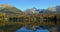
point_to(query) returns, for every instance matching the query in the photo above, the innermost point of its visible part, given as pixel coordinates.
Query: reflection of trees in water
(50, 19)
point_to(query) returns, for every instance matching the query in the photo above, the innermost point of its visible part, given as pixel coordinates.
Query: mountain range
(11, 10)
(49, 10)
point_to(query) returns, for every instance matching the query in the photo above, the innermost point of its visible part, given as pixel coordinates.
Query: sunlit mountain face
(55, 9)
(9, 9)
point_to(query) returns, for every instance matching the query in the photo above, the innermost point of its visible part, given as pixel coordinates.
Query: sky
(27, 4)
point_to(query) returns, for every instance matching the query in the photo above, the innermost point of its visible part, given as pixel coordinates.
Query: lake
(23, 29)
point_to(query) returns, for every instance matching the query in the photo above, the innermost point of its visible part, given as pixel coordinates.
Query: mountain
(55, 9)
(32, 10)
(11, 10)
(49, 10)
(8, 9)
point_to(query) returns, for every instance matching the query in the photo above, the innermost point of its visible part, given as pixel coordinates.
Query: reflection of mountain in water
(23, 29)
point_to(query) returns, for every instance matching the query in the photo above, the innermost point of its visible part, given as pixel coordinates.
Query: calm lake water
(43, 28)
(23, 29)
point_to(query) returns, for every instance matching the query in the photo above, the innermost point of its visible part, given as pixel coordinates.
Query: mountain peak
(32, 10)
(5, 5)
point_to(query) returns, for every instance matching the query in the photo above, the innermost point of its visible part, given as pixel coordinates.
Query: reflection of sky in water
(23, 29)
(41, 31)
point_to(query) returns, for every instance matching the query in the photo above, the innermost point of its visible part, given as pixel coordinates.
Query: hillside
(8, 9)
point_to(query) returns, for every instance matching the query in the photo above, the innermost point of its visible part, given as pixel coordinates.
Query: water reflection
(48, 26)
(24, 29)
(42, 30)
